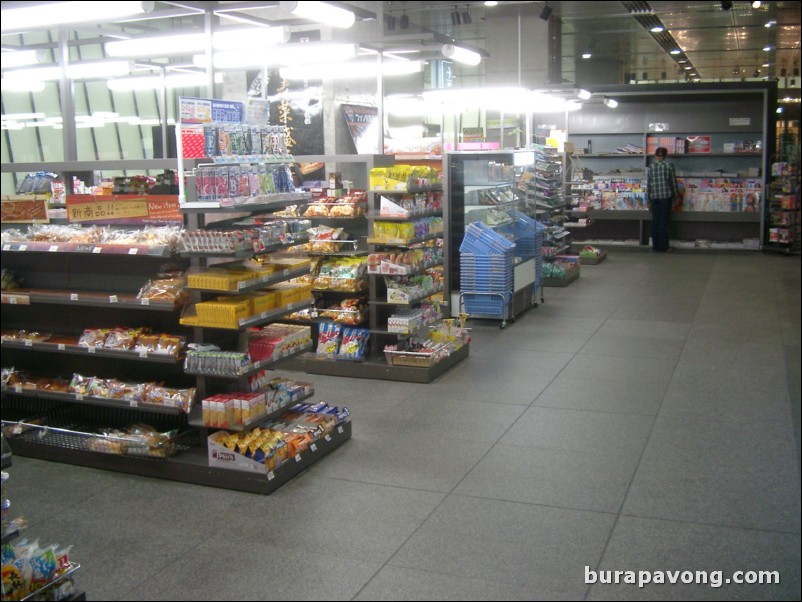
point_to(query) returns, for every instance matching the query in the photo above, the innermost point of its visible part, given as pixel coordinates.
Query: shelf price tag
(53, 249)
(340, 430)
(145, 301)
(6, 247)
(28, 343)
(112, 298)
(297, 457)
(134, 403)
(143, 353)
(133, 251)
(271, 475)
(327, 438)
(23, 247)
(313, 447)
(12, 300)
(91, 349)
(79, 397)
(17, 388)
(97, 250)
(74, 297)
(62, 347)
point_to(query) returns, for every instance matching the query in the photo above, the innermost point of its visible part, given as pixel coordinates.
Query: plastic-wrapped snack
(318, 209)
(354, 343)
(328, 341)
(168, 287)
(80, 384)
(121, 338)
(9, 375)
(116, 388)
(121, 237)
(169, 344)
(98, 387)
(147, 343)
(93, 337)
(44, 567)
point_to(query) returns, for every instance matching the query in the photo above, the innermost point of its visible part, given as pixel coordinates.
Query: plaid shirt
(662, 181)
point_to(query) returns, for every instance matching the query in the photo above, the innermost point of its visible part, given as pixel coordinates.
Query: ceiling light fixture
(322, 12)
(64, 13)
(287, 54)
(22, 86)
(757, 4)
(350, 70)
(466, 16)
(23, 58)
(583, 94)
(676, 51)
(610, 103)
(461, 55)
(154, 82)
(255, 38)
(657, 29)
(546, 12)
(780, 110)
(767, 49)
(491, 3)
(586, 55)
(85, 70)
(770, 24)
(403, 22)
(456, 18)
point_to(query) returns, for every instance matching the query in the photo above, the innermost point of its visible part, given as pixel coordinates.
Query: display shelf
(406, 335)
(276, 201)
(404, 218)
(415, 272)
(42, 592)
(85, 299)
(406, 243)
(189, 466)
(257, 320)
(255, 421)
(68, 346)
(91, 249)
(378, 369)
(593, 260)
(558, 252)
(249, 286)
(342, 293)
(91, 400)
(251, 369)
(410, 302)
(433, 188)
(560, 282)
(247, 253)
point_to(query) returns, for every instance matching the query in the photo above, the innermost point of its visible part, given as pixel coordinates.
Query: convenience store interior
(645, 418)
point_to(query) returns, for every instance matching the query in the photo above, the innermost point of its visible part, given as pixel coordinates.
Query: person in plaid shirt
(661, 188)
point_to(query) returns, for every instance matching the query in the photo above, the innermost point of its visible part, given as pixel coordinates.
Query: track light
(461, 55)
(586, 55)
(767, 48)
(756, 73)
(610, 103)
(780, 110)
(675, 51)
(583, 94)
(403, 22)
(757, 4)
(390, 22)
(657, 29)
(456, 19)
(546, 12)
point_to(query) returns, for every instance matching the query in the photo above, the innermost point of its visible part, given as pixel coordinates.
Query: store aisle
(645, 418)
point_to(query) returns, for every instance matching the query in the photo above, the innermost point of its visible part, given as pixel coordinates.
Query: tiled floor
(646, 418)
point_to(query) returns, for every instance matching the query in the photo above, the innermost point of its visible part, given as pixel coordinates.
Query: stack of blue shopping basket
(486, 272)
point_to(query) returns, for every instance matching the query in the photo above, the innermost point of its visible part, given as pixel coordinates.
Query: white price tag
(62, 347)
(12, 300)
(53, 248)
(112, 298)
(97, 250)
(134, 403)
(28, 343)
(18, 430)
(74, 297)
(6, 247)
(79, 397)
(340, 430)
(327, 438)
(23, 247)
(145, 301)
(133, 251)
(17, 388)
(270, 476)
(297, 457)
(91, 349)
(143, 353)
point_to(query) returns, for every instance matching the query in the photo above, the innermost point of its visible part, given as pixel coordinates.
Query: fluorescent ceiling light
(610, 103)
(770, 24)
(22, 85)
(230, 39)
(284, 55)
(658, 29)
(20, 116)
(353, 70)
(586, 55)
(322, 12)
(767, 49)
(86, 70)
(676, 51)
(491, 3)
(583, 94)
(461, 55)
(154, 82)
(22, 58)
(757, 4)
(63, 13)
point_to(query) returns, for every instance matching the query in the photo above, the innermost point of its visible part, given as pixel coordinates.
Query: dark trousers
(661, 213)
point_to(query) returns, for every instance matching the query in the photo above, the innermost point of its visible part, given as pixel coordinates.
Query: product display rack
(783, 207)
(719, 131)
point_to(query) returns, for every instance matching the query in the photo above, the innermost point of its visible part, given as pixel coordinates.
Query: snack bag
(328, 341)
(354, 343)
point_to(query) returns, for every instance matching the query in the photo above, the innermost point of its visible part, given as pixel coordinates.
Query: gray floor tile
(571, 430)
(582, 480)
(255, 570)
(629, 346)
(511, 543)
(721, 473)
(728, 378)
(602, 395)
(694, 403)
(650, 545)
(391, 581)
(638, 308)
(677, 331)
(628, 369)
(742, 333)
(413, 460)
(739, 354)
